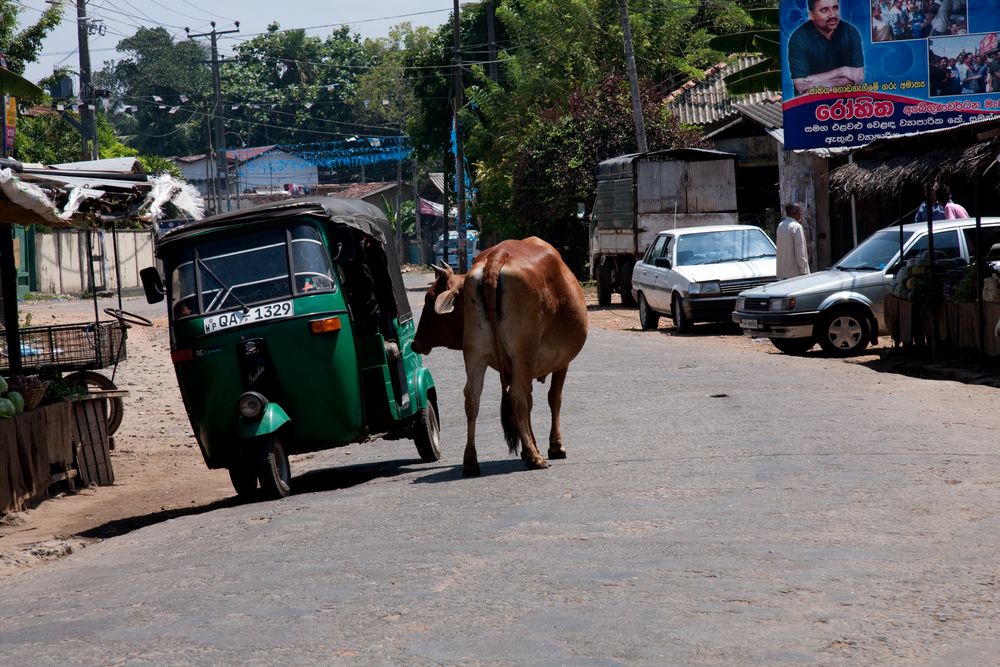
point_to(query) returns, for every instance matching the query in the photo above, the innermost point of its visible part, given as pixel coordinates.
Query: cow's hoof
(537, 464)
(471, 470)
(556, 453)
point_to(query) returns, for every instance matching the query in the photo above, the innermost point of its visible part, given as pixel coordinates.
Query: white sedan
(694, 273)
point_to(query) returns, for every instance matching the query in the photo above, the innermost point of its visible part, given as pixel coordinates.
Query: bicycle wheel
(114, 407)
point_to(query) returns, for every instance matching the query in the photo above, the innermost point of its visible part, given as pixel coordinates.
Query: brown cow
(518, 310)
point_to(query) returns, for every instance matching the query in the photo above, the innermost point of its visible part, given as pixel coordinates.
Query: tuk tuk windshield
(235, 272)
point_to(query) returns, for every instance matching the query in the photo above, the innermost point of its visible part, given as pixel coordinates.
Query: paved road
(718, 506)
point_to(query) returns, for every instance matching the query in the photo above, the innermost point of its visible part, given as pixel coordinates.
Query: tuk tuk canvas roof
(355, 213)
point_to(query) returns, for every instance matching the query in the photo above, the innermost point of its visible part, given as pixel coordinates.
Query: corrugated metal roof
(437, 180)
(623, 163)
(115, 164)
(707, 102)
(768, 113)
(247, 154)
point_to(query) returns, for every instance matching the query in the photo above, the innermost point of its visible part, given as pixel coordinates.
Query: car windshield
(235, 272)
(875, 252)
(730, 245)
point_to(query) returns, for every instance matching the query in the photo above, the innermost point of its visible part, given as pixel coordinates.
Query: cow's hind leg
(520, 398)
(557, 449)
(475, 371)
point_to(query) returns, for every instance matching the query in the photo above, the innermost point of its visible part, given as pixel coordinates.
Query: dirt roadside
(159, 472)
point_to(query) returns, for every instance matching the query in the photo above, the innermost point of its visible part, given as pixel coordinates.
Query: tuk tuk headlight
(252, 404)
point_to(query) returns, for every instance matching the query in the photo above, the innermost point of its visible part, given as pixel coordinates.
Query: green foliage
(21, 47)
(761, 36)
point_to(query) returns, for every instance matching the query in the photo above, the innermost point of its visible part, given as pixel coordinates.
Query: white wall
(61, 259)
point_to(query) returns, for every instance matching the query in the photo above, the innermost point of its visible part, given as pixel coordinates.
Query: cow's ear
(445, 303)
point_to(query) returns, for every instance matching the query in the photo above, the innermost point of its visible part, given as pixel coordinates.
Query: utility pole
(633, 80)
(221, 163)
(457, 104)
(88, 119)
(491, 37)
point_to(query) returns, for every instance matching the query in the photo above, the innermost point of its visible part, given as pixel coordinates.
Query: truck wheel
(273, 470)
(604, 285)
(649, 319)
(625, 281)
(427, 437)
(244, 479)
(682, 322)
(793, 346)
(844, 331)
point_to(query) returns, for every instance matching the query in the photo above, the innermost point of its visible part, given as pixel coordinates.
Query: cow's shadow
(486, 468)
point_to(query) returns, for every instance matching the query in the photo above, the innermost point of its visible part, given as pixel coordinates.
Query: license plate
(750, 324)
(237, 318)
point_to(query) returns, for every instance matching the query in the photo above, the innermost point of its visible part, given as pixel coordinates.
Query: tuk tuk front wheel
(244, 479)
(428, 434)
(273, 470)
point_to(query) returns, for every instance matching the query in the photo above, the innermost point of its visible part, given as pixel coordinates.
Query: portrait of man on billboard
(825, 51)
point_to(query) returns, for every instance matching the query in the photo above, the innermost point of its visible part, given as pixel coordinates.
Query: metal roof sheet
(706, 102)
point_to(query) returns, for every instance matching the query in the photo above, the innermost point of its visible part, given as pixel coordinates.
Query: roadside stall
(44, 442)
(938, 306)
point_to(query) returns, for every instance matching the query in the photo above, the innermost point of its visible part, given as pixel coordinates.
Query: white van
(471, 247)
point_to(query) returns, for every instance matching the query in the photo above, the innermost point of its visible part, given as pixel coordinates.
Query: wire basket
(67, 347)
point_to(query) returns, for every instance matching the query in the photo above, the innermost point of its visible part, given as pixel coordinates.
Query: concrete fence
(61, 264)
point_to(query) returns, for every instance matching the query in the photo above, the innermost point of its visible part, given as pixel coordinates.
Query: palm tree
(764, 39)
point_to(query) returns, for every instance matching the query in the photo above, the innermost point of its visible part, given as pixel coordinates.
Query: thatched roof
(885, 167)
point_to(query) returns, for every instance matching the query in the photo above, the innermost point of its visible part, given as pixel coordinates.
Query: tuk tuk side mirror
(152, 284)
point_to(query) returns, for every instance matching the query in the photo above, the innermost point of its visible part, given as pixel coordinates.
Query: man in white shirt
(793, 259)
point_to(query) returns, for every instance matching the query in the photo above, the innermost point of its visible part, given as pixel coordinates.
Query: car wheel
(626, 284)
(427, 437)
(603, 285)
(273, 471)
(682, 322)
(796, 346)
(844, 331)
(649, 319)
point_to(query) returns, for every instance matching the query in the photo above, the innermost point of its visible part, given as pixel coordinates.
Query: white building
(259, 168)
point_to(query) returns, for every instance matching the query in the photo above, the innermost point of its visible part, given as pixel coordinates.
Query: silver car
(695, 273)
(841, 308)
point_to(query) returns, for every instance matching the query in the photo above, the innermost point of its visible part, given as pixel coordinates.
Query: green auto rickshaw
(290, 332)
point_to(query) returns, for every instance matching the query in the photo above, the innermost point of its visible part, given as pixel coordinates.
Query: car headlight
(252, 404)
(709, 288)
(740, 302)
(781, 303)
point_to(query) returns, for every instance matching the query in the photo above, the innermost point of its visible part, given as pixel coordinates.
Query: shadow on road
(127, 525)
(486, 468)
(344, 477)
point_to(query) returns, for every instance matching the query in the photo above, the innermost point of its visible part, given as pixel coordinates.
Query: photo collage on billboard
(857, 70)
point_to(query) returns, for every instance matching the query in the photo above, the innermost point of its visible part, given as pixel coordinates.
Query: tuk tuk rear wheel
(428, 434)
(244, 479)
(273, 470)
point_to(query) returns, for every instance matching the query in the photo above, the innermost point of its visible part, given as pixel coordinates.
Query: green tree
(761, 36)
(154, 65)
(287, 87)
(21, 47)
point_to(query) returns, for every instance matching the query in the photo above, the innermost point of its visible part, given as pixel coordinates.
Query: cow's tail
(510, 432)
(491, 301)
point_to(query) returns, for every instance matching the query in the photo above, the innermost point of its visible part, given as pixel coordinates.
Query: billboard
(857, 70)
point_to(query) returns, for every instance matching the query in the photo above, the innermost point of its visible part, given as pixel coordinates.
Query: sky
(121, 18)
